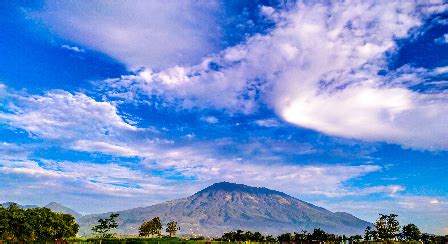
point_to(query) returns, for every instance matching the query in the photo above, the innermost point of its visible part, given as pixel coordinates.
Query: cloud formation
(63, 115)
(138, 33)
(83, 124)
(323, 67)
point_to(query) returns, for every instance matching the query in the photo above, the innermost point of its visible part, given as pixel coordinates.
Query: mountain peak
(54, 204)
(57, 207)
(234, 187)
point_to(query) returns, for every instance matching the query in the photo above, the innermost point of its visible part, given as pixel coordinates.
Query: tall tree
(150, 227)
(145, 228)
(172, 228)
(104, 226)
(156, 226)
(387, 226)
(35, 224)
(410, 232)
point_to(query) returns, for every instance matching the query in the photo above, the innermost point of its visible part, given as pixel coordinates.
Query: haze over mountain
(59, 208)
(7, 204)
(227, 206)
(54, 206)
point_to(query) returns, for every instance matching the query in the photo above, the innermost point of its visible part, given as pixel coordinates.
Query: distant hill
(56, 207)
(227, 206)
(7, 204)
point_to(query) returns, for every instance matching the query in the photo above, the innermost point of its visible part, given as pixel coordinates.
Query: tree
(35, 224)
(67, 227)
(286, 237)
(387, 226)
(156, 226)
(355, 238)
(303, 236)
(270, 239)
(150, 227)
(410, 232)
(145, 228)
(105, 226)
(370, 234)
(319, 235)
(257, 237)
(172, 228)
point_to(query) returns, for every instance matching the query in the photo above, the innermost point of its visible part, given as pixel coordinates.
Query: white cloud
(442, 40)
(98, 179)
(434, 201)
(267, 123)
(104, 147)
(73, 48)
(441, 70)
(63, 115)
(13, 151)
(318, 72)
(210, 119)
(138, 33)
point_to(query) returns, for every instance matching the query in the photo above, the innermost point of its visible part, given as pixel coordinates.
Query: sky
(108, 106)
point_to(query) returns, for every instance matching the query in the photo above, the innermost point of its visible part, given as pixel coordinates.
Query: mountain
(227, 206)
(56, 207)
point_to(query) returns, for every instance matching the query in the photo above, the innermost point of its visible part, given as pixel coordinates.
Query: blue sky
(112, 106)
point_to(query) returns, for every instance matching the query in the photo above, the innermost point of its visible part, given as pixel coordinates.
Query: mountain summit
(59, 208)
(226, 206)
(233, 187)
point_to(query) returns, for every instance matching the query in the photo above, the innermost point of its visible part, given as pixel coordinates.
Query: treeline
(318, 235)
(386, 229)
(35, 224)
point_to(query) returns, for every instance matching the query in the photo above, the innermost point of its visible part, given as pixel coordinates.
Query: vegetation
(172, 228)
(43, 225)
(387, 227)
(318, 235)
(105, 226)
(35, 224)
(410, 232)
(240, 235)
(151, 227)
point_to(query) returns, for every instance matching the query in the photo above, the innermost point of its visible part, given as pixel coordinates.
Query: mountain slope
(56, 207)
(226, 206)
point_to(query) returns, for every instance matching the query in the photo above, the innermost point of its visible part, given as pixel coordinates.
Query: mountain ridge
(59, 208)
(226, 206)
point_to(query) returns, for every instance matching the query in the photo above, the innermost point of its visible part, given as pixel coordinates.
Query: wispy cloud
(140, 33)
(63, 115)
(267, 123)
(83, 124)
(442, 40)
(210, 119)
(73, 48)
(317, 72)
